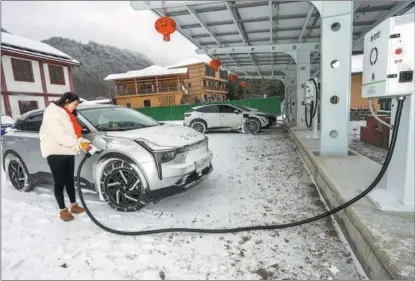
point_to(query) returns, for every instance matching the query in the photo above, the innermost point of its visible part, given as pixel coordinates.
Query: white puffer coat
(57, 135)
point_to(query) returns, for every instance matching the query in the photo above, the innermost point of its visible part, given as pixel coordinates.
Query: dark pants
(62, 167)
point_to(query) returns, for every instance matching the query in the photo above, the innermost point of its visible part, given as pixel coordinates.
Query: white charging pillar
(388, 72)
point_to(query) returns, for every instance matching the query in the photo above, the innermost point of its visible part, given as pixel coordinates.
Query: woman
(60, 140)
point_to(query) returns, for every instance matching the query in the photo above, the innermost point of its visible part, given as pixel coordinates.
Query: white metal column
(303, 74)
(400, 174)
(291, 95)
(336, 53)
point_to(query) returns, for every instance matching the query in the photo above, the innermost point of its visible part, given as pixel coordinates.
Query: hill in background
(97, 61)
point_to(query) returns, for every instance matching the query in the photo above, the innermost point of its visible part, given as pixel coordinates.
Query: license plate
(202, 164)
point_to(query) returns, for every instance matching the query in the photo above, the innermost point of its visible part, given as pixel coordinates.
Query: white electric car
(225, 117)
(142, 161)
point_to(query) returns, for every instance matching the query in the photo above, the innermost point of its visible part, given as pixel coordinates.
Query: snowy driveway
(256, 180)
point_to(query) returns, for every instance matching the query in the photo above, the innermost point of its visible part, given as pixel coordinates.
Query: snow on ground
(256, 180)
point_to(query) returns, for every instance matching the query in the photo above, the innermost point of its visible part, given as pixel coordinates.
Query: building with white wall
(32, 74)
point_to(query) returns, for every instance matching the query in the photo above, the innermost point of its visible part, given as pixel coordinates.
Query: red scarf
(77, 128)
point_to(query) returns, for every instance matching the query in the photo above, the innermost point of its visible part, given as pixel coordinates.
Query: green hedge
(176, 112)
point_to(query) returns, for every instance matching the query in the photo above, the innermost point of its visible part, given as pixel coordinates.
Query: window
(147, 103)
(190, 85)
(223, 74)
(227, 109)
(129, 105)
(26, 106)
(85, 129)
(22, 70)
(121, 88)
(204, 83)
(209, 109)
(56, 75)
(116, 119)
(33, 123)
(209, 71)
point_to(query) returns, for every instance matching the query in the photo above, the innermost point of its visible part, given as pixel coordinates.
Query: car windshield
(117, 119)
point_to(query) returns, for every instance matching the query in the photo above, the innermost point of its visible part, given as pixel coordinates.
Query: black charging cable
(257, 227)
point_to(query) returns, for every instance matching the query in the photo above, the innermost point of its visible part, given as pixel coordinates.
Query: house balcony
(215, 89)
(152, 91)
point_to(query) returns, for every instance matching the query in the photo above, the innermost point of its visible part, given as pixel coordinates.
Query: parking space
(256, 180)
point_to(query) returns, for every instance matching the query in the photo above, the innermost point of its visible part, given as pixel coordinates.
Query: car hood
(164, 136)
(262, 113)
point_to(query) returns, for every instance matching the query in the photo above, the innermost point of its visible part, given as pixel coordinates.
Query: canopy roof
(213, 24)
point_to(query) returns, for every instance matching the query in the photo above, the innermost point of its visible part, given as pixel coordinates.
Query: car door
(230, 116)
(210, 114)
(15, 139)
(34, 162)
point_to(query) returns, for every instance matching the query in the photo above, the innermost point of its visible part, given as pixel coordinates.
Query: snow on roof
(153, 70)
(24, 44)
(189, 61)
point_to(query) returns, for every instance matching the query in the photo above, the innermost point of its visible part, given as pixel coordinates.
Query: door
(34, 161)
(230, 116)
(211, 115)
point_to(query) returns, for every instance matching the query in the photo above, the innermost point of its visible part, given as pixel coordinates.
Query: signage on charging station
(388, 60)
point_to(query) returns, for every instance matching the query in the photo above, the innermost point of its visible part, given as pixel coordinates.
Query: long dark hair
(67, 98)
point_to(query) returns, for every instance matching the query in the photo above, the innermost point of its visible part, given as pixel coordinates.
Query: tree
(256, 89)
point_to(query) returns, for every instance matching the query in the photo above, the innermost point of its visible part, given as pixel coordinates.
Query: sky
(113, 23)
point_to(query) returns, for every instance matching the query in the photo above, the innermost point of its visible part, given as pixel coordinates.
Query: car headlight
(159, 156)
(166, 156)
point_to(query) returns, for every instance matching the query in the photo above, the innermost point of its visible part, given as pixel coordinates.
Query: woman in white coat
(60, 141)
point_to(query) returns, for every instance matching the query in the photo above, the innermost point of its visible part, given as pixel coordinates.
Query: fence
(176, 112)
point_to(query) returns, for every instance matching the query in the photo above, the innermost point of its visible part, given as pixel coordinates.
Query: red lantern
(244, 84)
(233, 78)
(165, 26)
(215, 64)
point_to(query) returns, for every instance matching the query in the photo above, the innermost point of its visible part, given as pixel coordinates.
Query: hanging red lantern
(215, 64)
(233, 78)
(165, 26)
(244, 84)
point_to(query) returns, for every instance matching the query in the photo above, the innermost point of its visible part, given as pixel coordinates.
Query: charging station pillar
(303, 74)
(400, 175)
(336, 53)
(291, 99)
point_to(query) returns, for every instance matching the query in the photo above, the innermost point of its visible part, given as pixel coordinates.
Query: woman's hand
(85, 145)
(88, 148)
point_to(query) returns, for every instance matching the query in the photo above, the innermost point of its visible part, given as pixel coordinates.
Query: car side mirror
(236, 111)
(85, 131)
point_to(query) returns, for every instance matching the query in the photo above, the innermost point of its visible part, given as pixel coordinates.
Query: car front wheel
(121, 187)
(252, 126)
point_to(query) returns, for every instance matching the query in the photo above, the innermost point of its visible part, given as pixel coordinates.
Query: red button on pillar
(398, 51)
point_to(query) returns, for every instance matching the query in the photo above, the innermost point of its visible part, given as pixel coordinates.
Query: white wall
(56, 89)
(18, 86)
(3, 109)
(53, 98)
(14, 104)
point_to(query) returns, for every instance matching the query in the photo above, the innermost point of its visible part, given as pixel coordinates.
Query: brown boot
(65, 215)
(75, 209)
